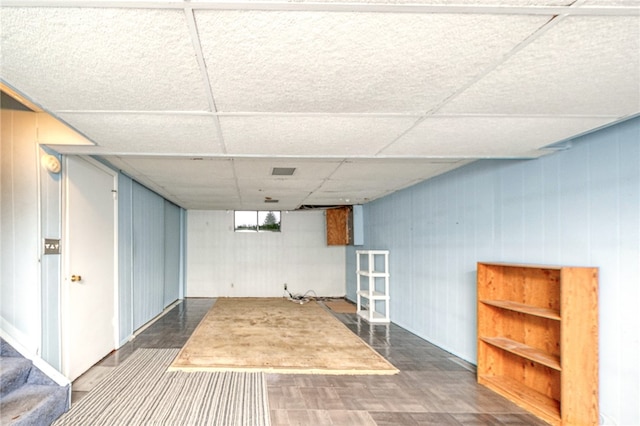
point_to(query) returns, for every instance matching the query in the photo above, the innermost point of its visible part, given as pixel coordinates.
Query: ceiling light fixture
(51, 163)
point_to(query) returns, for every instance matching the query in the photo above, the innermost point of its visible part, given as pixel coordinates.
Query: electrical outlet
(285, 286)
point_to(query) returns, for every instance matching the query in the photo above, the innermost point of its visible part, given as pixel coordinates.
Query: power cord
(300, 298)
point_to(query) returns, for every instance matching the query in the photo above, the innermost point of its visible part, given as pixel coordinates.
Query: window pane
(246, 221)
(269, 221)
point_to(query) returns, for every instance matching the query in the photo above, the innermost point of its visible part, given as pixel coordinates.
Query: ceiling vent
(283, 171)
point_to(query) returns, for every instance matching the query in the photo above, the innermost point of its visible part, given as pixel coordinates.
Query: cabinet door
(338, 226)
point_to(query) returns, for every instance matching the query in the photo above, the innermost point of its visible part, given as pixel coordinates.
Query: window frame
(257, 226)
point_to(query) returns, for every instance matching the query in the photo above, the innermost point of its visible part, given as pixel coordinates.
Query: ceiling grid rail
(347, 7)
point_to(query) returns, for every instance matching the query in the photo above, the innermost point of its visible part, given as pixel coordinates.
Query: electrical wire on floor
(300, 298)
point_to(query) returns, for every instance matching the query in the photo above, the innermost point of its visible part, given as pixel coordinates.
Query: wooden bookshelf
(526, 309)
(538, 338)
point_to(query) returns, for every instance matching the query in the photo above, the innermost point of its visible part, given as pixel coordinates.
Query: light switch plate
(51, 246)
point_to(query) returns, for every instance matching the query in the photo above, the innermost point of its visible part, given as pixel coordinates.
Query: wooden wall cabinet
(339, 226)
(538, 339)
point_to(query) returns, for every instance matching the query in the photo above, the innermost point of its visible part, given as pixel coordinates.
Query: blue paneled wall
(149, 255)
(575, 207)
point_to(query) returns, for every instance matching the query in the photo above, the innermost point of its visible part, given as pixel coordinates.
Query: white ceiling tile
(101, 59)
(329, 198)
(631, 3)
(129, 79)
(393, 171)
(463, 2)
(306, 169)
(190, 183)
(438, 2)
(483, 137)
(176, 169)
(388, 175)
(343, 62)
(200, 202)
(289, 191)
(584, 65)
(149, 133)
(311, 135)
(221, 190)
(361, 181)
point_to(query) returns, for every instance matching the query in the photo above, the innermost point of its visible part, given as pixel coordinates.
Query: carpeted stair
(27, 396)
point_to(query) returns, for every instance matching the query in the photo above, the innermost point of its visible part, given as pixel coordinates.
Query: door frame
(66, 267)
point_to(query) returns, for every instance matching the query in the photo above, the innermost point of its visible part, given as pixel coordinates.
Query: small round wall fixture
(51, 163)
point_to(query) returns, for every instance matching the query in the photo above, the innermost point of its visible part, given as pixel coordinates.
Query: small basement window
(257, 221)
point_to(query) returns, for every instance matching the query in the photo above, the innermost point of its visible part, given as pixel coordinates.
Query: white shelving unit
(372, 272)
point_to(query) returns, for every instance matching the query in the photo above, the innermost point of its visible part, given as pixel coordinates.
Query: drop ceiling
(201, 100)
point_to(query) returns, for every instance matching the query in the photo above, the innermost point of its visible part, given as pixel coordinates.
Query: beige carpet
(278, 336)
(341, 306)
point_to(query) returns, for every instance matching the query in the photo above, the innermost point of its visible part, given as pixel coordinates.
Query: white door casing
(89, 250)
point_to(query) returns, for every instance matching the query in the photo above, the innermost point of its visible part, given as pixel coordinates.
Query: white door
(89, 314)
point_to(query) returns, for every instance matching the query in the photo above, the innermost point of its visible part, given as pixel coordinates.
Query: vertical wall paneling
(148, 255)
(578, 207)
(350, 271)
(624, 281)
(172, 236)
(20, 304)
(358, 226)
(50, 264)
(183, 250)
(224, 263)
(125, 257)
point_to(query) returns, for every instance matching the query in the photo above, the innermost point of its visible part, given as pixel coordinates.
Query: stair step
(6, 350)
(14, 372)
(33, 405)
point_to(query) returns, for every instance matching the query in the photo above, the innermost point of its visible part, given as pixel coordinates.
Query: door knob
(75, 278)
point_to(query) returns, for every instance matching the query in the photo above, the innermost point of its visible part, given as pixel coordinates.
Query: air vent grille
(283, 171)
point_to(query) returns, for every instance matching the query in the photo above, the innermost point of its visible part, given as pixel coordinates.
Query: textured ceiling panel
(319, 88)
(149, 133)
(465, 2)
(343, 62)
(210, 201)
(310, 135)
(101, 59)
(359, 196)
(584, 65)
(306, 169)
(226, 189)
(282, 185)
(287, 198)
(176, 170)
(483, 137)
(187, 182)
(289, 192)
(391, 170)
(632, 3)
(262, 190)
(361, 181)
